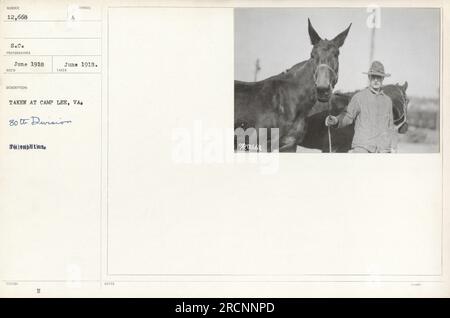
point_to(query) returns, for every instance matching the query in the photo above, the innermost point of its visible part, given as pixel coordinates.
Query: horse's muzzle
(323, 94)
(403, 128)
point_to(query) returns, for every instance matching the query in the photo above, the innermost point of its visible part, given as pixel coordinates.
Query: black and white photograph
(357, 80)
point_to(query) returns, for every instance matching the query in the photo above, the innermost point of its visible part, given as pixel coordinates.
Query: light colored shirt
(371, 112)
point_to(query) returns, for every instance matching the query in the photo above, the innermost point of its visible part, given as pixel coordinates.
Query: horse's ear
(340, 38)
(313, 36)
(405, 86)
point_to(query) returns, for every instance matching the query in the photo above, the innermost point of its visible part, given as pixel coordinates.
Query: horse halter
(402, 118)
(328, 67)
(329, 100)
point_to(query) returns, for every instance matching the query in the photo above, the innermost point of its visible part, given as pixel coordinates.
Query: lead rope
(329, 128)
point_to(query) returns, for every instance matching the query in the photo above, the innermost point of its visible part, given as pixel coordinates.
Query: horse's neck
(302, 76)
(303, 70)
(298, 87)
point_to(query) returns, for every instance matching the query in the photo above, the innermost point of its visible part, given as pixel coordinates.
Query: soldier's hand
(331, 121)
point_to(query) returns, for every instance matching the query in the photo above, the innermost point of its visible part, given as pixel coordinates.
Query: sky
(407, 43)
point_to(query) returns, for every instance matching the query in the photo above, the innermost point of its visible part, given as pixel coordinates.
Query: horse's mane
(280, 76)
(296, 67)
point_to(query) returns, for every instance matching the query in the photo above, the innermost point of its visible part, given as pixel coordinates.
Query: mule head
(325, 55)
(400, 102)
(403, 128)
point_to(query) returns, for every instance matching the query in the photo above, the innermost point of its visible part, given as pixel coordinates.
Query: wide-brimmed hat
(377, 69)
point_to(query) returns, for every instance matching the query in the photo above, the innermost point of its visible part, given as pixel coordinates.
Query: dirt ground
(416, 140)
(404, 147)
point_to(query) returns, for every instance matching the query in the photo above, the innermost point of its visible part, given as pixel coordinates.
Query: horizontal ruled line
(50, 281)
(279, 275)
(19, 55)
(225, 281)
(71, 21)
(50, 38)
(40, 73)
(277, 281)
(274, 6)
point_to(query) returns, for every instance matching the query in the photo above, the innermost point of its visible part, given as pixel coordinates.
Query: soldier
(371, 111)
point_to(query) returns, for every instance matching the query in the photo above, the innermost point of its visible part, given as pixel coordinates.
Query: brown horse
(341, 139)
(284, 101)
